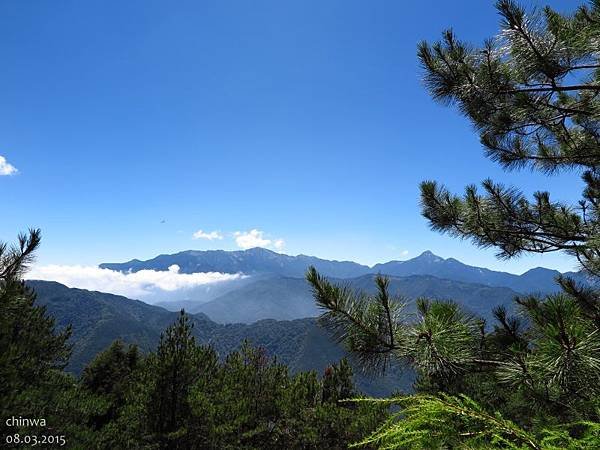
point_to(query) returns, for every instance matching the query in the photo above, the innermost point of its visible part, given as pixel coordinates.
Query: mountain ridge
(254, 260)
(262, 261)
(287, 298)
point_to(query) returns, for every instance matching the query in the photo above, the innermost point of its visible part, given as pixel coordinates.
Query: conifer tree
(109, 375)
(173, 370)
(533, 94)
(337, 382)
(32, 352)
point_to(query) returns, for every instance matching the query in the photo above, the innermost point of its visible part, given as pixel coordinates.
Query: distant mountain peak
(427, 255)
(261, 251)
(258, 250)
(540, 270)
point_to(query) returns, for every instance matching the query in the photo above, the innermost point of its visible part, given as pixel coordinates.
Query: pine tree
(173, 370)
(337, 382)
(254, 387)
(32, 351)
(533, 95)
(109, 376)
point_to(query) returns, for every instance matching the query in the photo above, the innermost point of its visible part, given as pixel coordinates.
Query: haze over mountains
(275, 288)
(263, 261)
(286, 298)
(253, 261)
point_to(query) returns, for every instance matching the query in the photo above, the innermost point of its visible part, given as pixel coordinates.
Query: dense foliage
(529, 377)
(31, 353)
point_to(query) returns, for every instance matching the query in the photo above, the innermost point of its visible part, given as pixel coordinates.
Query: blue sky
(135, 124)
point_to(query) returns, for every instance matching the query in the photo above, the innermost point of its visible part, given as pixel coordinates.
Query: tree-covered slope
(280, 298)
(98, 319)
(285, 298)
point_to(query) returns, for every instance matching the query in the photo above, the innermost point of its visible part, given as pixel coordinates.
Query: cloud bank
(138, 285)
(256, 238)
(6, 168)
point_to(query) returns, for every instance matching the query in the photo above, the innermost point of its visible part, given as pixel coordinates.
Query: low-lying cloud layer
(143, 283)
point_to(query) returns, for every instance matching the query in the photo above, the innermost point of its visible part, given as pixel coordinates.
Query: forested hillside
(98, 319)
(291, 298)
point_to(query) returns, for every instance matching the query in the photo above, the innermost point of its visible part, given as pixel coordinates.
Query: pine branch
(15, 261)
(370, 327)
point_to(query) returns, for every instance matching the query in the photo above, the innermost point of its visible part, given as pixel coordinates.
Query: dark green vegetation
(181, 395)
(533, 381)
(539, 368)
(32, 354)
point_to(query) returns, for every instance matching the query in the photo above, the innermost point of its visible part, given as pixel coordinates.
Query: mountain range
(535, 280)
(253, 261)
(274, 286)
(262, 261)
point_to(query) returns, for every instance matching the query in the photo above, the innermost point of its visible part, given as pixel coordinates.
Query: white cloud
(6, 168)
(131, 284)
(256, 238)
(404, 252)
(251, 239)
(210, 236)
